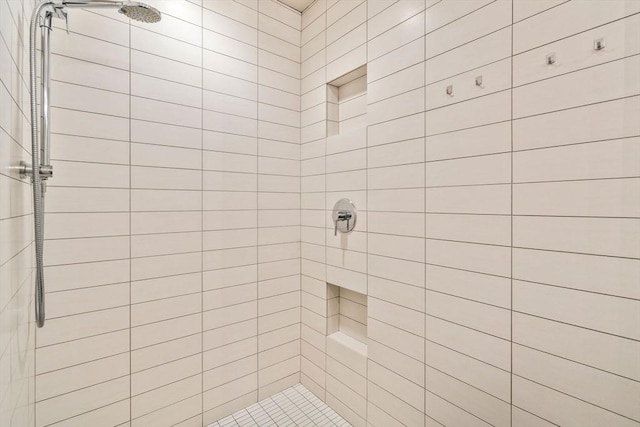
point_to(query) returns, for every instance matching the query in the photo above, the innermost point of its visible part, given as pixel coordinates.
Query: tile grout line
(257, 352)
(511, 226)
(300, 205)
(366, 201)
(426, 221)
(202, 193)
(130, 244)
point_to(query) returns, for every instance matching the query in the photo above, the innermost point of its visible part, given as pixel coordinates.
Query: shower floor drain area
(295, 406)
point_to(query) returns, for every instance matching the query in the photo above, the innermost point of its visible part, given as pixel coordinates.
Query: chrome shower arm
(105, 4)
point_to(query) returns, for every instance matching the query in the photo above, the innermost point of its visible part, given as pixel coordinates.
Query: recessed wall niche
(347, 102)
(347, 313)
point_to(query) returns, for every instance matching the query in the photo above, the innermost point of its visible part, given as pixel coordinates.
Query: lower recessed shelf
(345, 341)
(347, 314)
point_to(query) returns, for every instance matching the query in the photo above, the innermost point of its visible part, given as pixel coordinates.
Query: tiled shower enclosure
(193, 272)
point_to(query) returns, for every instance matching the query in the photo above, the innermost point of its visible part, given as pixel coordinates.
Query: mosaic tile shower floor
(295, 406)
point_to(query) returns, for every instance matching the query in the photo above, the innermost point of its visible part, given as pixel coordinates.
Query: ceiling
(298, 5)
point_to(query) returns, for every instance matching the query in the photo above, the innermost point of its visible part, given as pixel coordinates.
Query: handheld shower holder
(26, 171)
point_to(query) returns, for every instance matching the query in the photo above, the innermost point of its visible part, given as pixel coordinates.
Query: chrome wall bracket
(26, 170)
(344, 216)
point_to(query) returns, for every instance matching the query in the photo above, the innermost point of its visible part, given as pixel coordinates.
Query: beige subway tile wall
(581, 227)
(493, 276)
(468, 321)
(173, 225)
(499, 201)
(17, 323)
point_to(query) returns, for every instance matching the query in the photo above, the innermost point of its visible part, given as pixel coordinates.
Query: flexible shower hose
(38, 195)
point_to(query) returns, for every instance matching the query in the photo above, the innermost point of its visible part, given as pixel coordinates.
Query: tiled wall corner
(313, 138)
(278, 198)
(17, 324)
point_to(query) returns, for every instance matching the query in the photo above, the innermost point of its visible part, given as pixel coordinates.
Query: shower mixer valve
(344, 216)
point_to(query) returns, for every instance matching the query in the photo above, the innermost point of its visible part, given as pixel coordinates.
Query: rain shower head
(140, 12)
(131, 9)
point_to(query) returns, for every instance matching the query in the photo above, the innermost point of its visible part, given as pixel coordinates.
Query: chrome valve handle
(344, 216)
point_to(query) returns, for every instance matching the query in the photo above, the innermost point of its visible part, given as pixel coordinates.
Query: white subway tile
(484, 50)
(564, 91)
(396, 37)
(625, 33)
(566, 19)
(585, 309)
(278, 11)
(601, 236)
(442, 14)
(606, 120)
(443, 412)
(561, 408)
(600, 388)
(220, 43)
(229, 27)
(485, 288)
(81, 401)
(470, 399)
(494, 16)
(233, 10)
(587, 272)
(480, 258)
(487, 378)
(486, 229)
(393, 15)
(397, 408)
(591, 348)
(477, 141)
(167, 47)
(481, 317)
(79, 351)
(164, 396)
(71, 302)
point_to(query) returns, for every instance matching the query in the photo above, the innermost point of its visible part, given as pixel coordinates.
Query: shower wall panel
(497, 238)
(172, 235)
(17, 325)
(576, 215)
(493, 159)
